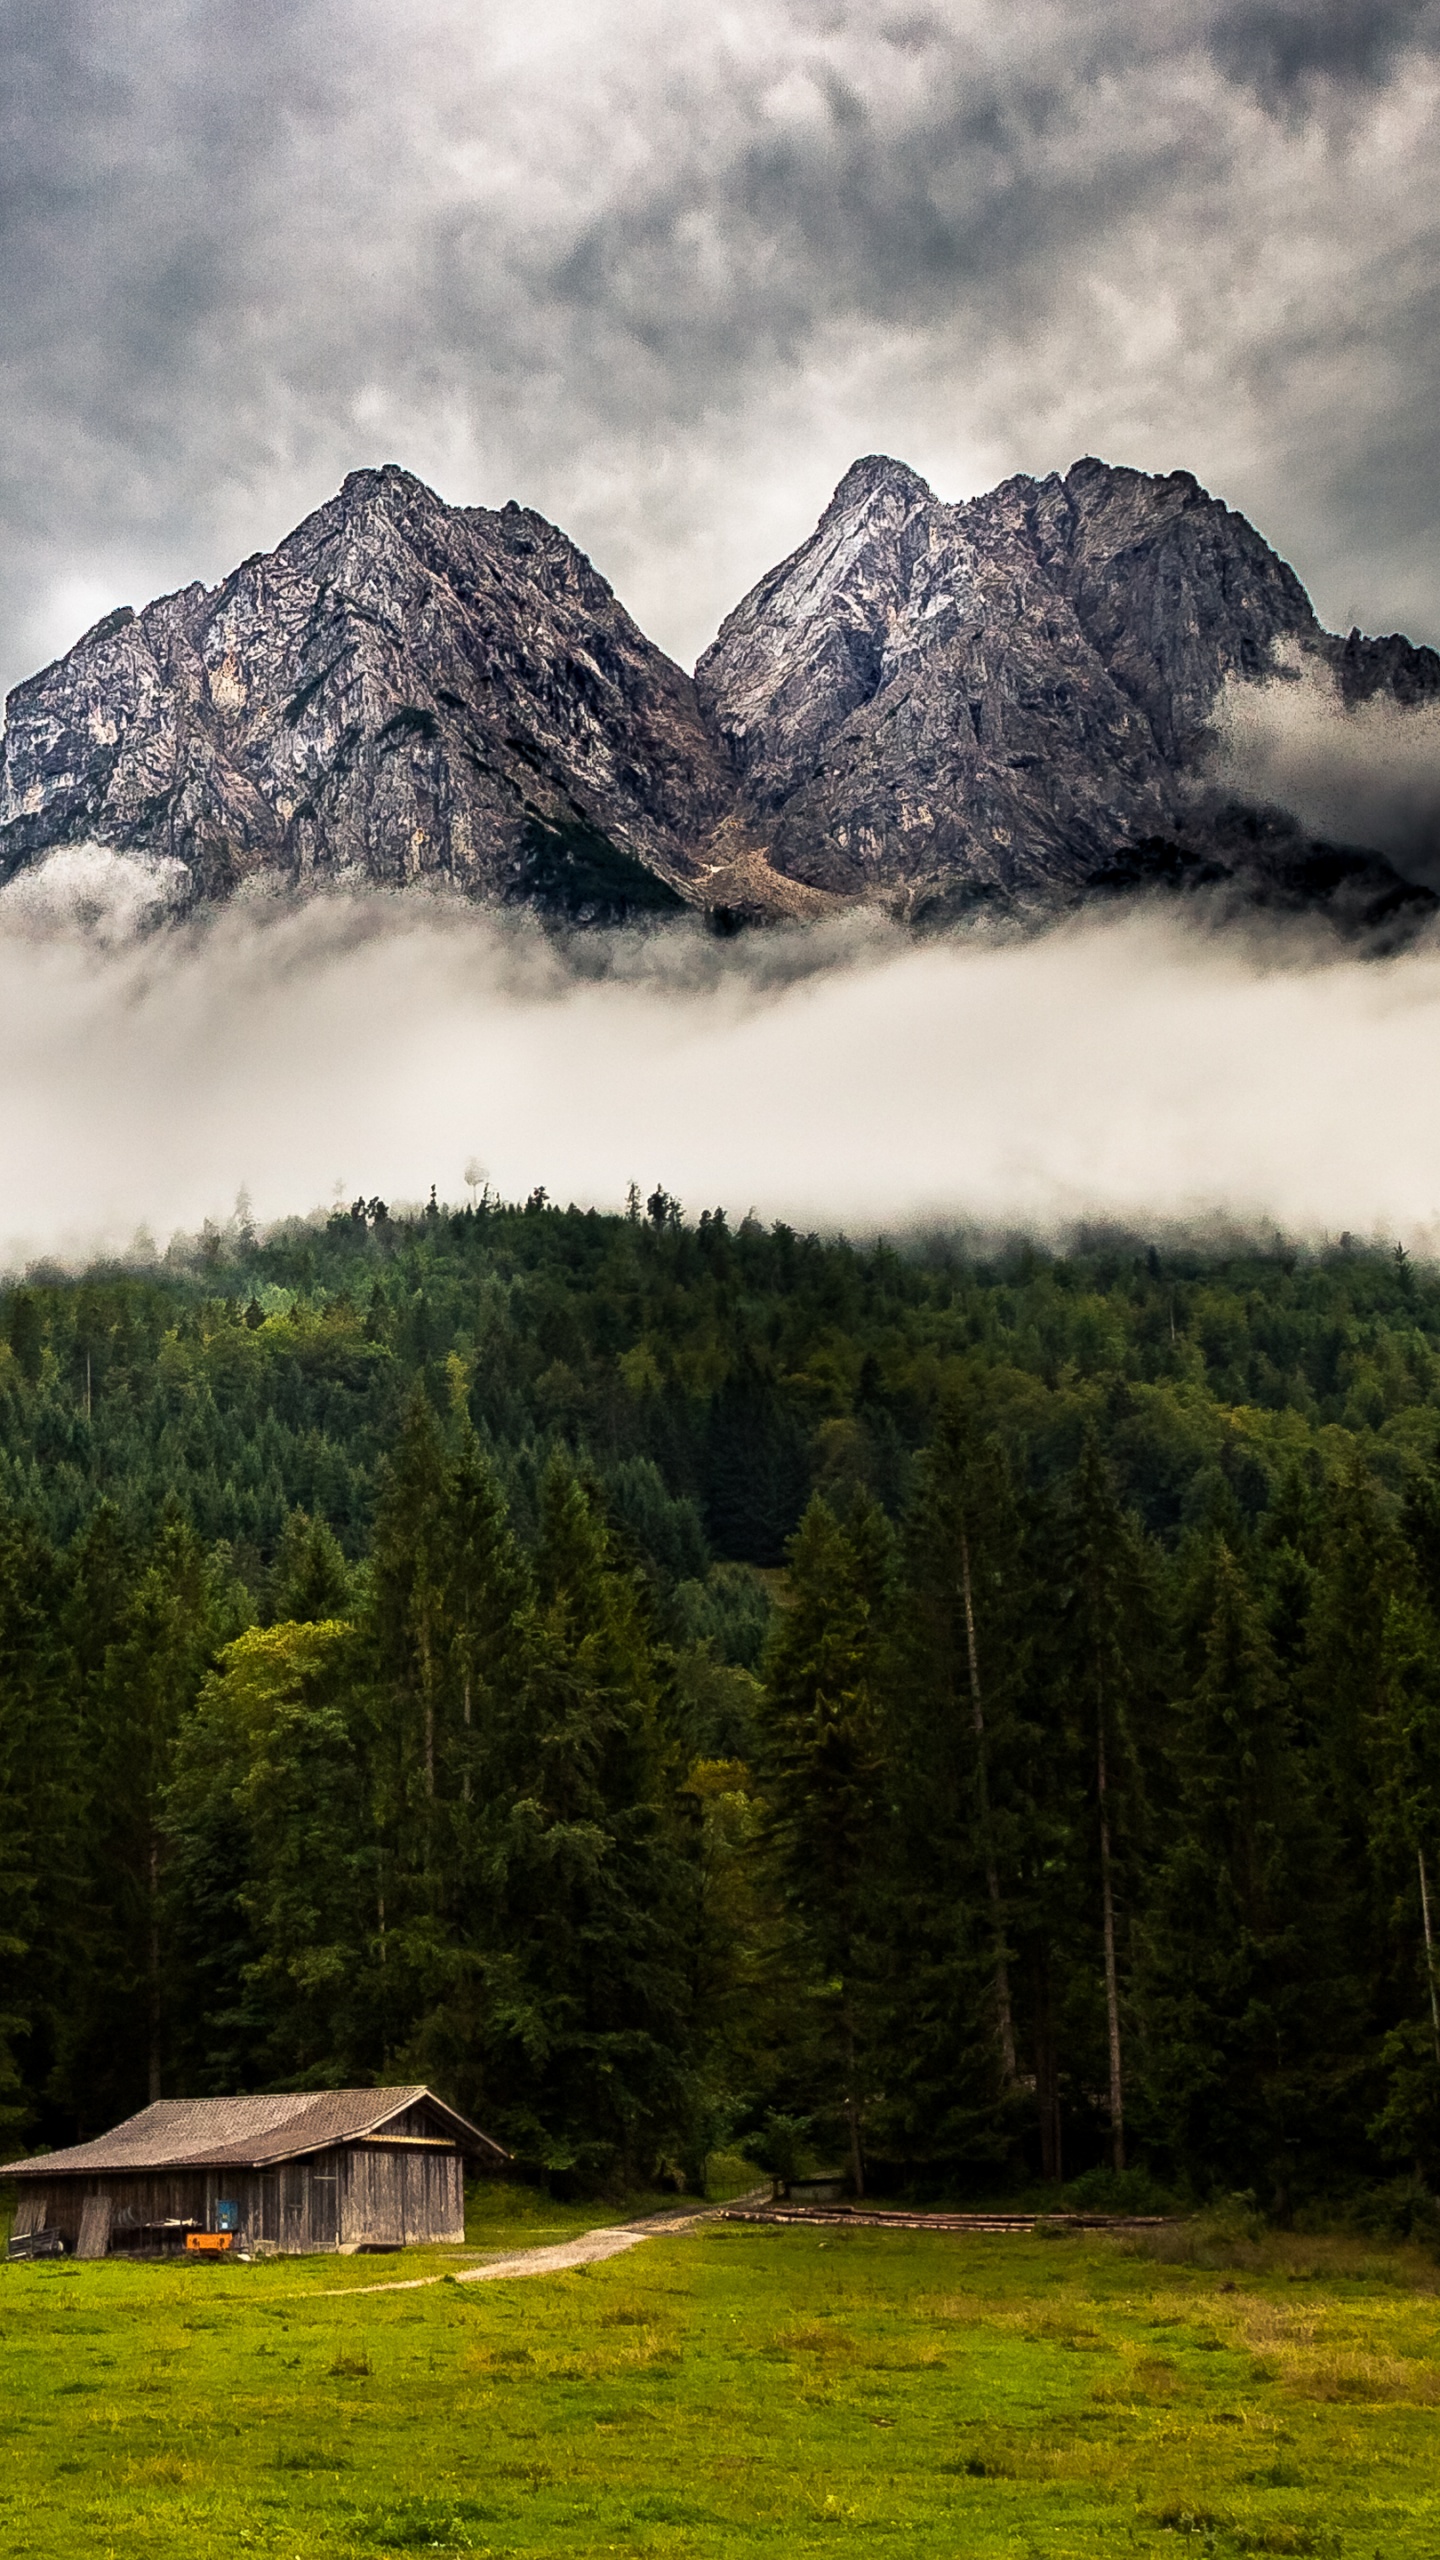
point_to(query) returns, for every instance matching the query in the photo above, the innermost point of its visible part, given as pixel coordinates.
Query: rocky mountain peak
(878, 480)
(1001, 701)
(400, 691)
(385, 479)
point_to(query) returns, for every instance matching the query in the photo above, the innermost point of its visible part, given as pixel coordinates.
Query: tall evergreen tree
(1103, 1659)
(44, 1802)
(589, 2035)
(1405, 1851)
(310, 1580)
(1244, 1994)
(451, 1915)
(267, 1820)
(180, 1609)
(967, 1655)
(757, 1466)
(830, 1680)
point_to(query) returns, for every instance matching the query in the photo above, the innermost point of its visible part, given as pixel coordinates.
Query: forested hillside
(669, 1684)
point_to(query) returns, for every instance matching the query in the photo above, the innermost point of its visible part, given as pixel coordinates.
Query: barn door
(94, 2240)
(294, 2203)
(376, 2207)
(325, 2201)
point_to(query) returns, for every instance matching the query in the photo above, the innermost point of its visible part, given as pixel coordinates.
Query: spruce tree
(585, 1987)
(1100, 1666)
(1405, 1850)
(967, 1635)
(272, 1862)
(182, 1606)
(826, 1767)
(1243, 1991)
(44, 1804)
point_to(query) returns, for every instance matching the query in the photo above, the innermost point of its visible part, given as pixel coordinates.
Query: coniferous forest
(675, 1686)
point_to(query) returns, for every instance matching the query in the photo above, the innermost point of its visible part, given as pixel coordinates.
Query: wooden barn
(320, 2169)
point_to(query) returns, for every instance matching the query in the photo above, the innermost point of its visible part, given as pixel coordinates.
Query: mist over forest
(1160, 1065)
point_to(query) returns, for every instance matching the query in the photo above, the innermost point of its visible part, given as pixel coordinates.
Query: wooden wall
(394, 2195)
(375, 2191)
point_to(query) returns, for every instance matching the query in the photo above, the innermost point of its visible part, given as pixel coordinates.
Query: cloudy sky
(662, 270)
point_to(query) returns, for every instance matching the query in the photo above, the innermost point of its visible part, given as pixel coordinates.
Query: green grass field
(728, 2390)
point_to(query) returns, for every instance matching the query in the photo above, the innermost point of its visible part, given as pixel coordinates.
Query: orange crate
(208, 2243)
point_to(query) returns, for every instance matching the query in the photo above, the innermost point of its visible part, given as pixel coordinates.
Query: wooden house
(319, 2169)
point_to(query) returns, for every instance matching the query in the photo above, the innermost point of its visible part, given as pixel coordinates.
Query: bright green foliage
(270, 1828)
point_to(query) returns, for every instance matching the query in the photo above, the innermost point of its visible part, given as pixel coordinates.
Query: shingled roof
(246, 2133)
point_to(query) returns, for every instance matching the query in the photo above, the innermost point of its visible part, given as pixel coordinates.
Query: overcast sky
(662, 270)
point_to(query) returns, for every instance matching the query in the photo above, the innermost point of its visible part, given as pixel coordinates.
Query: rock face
(999, 703)
(1007, 700)
(402, 691)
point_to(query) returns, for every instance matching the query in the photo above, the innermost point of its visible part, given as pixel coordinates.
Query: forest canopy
(966, 1721)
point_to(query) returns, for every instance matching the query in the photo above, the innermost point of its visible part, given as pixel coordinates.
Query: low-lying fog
(1137, 1067)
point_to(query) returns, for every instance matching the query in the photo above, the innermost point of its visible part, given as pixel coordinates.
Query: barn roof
(247, 2133)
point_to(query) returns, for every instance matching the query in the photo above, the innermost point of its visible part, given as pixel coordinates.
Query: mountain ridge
(1000, 703)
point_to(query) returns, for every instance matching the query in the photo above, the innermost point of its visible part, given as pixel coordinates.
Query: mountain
(1001, 703)
(1006, 701)
(402, 691)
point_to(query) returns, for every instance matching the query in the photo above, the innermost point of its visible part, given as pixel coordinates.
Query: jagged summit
(402, 691)
(1000, 701)
(878, 476)
(1005, 701)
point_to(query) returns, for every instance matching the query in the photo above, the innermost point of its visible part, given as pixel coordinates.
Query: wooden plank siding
(393, 2195)
(365, 2175)
(388, 2195)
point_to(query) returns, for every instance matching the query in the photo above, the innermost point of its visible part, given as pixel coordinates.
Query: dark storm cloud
(1281, 45)
(663, 272)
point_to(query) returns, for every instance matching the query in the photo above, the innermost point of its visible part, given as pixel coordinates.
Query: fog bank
(1367, 773)
(1134, 1067)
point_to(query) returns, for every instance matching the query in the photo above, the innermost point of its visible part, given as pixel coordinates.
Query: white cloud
(1136, 1068)
(1363, 773)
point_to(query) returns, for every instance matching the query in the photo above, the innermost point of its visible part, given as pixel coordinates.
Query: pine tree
(585, 1988)
(272, 1861)
(1102, 1659)
(967, 1642)
(1243, 1995)
(830, 1676)
(43, 1804)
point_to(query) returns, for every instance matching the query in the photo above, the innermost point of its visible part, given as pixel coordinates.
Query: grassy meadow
(728, 2389)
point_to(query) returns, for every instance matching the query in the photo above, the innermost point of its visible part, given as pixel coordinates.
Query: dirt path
(609, 2241)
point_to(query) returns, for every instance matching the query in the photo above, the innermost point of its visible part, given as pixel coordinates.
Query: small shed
(314, 2169)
